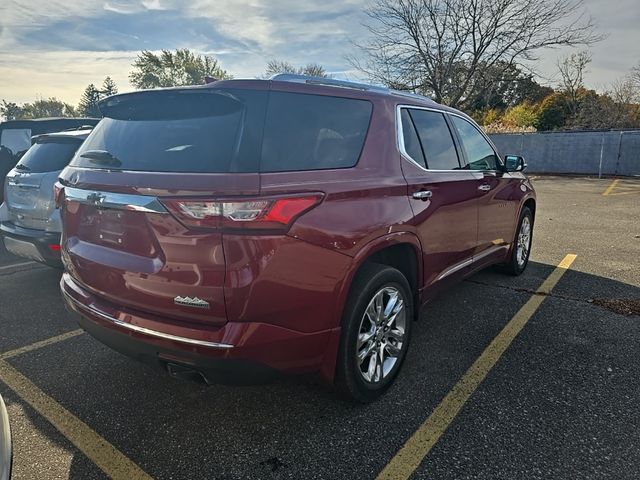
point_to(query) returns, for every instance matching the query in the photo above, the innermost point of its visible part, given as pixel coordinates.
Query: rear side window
(178, 131)
(437, 142)
(313, 132)
(410, 137)
(49, 155)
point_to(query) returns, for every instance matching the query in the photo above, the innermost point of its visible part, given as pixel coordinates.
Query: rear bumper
(236, 353)
(32, 244)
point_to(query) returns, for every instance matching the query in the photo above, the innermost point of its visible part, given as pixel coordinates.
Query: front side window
(437, 143)
(480, 155)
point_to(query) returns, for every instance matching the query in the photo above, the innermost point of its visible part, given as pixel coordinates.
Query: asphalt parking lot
(563, 400)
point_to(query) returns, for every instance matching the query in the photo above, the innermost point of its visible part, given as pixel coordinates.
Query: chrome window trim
(118, 201)
(146, 331)
(406, 156)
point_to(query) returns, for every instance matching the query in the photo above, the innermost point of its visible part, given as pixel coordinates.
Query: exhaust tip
(184, 372)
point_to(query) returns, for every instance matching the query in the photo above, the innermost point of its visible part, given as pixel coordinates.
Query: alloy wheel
(381, 335)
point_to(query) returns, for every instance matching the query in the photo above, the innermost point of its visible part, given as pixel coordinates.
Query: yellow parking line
(111, 461)
(611, 187)
(405, 462)
(43, 343)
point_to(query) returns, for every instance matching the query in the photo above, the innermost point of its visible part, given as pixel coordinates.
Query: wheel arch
(401, 250)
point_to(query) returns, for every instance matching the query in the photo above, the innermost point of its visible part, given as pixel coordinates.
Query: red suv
(247, 227)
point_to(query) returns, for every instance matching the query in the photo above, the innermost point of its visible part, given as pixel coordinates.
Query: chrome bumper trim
(118, 201)
(143, 330)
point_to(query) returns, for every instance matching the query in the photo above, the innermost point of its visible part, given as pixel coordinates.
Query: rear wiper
(102, 157)
(22, 167)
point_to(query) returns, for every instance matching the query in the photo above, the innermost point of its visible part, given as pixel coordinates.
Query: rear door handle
(484, 188)
(422, 194)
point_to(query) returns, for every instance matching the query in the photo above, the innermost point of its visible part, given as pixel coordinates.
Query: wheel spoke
(395, 334)
(365, 352)
(394, 314)
(372, 371)
(364, 337)
(392, 350)
(388, 309)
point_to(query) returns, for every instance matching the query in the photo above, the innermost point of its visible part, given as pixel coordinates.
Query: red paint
(277, 295)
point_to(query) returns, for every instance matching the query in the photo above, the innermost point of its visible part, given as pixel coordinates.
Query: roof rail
(417, 96)
(292, 77)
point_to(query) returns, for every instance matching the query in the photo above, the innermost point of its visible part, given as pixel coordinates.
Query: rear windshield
(227, 130)
(49, 155)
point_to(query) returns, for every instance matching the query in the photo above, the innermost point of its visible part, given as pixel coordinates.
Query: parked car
(15, 137)
(287, 225)
(29, 223)
(5, 443)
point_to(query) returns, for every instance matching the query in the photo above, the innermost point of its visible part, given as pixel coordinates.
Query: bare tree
(572, 69)
(625, 90)
(441, 47)
(275, 67)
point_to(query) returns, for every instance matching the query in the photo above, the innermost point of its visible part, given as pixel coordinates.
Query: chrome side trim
(5, 443)
(118, 201)
(143, 330)
(469, 261)
(453, 269)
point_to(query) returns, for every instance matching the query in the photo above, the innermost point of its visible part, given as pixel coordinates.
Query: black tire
(513, 266)
(371, 280)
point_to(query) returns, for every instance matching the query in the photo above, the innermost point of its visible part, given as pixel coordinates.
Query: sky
(58, 47)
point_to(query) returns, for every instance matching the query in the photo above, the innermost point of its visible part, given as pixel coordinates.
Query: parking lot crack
(621, 306)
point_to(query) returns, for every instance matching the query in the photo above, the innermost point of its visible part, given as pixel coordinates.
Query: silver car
(29, 222)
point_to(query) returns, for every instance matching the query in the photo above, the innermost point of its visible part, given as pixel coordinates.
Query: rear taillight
(58, 193)
(268, 214)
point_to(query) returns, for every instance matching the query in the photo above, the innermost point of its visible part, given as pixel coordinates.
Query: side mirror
(514, 163)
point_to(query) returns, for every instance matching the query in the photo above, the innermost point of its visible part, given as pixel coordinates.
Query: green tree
(275, 67)
(170, 69)
(48, 107)
(502, 86)
(88, 106)
(552, 113)
(11, 110)
(109, 87)
(522, 115)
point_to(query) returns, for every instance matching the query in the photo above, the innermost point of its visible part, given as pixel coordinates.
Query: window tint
(49, 155)
(178, 131)
(480, 155)
(222, 131)
(16, 140)
(437, 143)
(313, 132)
(411, 141)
